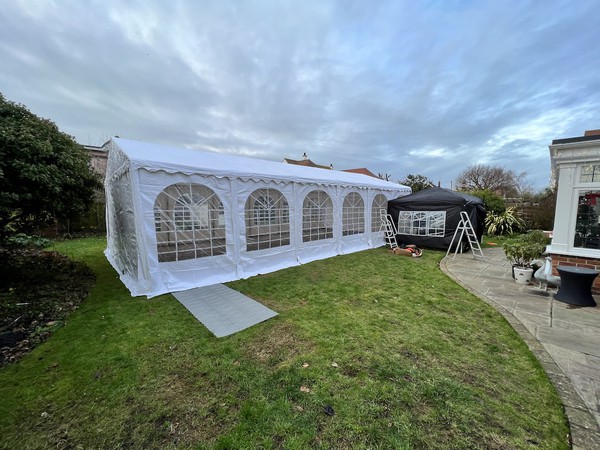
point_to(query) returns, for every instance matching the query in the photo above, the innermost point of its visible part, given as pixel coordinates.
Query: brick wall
(577, 261)
(99, 159)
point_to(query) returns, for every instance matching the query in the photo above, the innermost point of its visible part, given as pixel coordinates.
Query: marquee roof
(155, 158)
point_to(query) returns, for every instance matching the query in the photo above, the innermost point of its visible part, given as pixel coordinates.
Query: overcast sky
(400, 87)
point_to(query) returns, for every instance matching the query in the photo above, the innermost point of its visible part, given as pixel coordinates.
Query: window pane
(590, 173)
(405, 222)
(587, 225)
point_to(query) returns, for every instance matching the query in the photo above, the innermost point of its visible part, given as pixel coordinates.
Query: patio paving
(565, 339)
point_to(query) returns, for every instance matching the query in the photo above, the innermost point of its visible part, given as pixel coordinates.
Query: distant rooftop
(361, 170)
(589, 135)
(306, 162)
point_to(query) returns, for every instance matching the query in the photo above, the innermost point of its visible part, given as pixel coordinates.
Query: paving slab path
(565, 339)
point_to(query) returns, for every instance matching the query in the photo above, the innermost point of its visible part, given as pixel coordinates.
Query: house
(181, 218)
(361, 170)
(308, 163)
(98, 159)
(576, 236)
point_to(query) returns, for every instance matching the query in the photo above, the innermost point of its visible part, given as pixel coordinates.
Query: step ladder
(465, 226)
(387, 226)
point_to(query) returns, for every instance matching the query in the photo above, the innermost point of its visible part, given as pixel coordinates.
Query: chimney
(592, 133)
(304, 157)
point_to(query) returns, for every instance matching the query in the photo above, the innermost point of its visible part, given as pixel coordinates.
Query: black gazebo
(429, 218)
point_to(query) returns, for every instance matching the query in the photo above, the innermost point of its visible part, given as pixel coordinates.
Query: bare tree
(497, 179)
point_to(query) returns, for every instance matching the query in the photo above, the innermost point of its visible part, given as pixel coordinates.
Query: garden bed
(38, 291)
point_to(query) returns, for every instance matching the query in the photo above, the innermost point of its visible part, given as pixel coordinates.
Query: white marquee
(180, 218)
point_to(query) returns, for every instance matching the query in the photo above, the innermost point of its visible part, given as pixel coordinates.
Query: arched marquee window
(317, 217)
(267, 220)
(353, 214)
(189, 223)
(379, 205)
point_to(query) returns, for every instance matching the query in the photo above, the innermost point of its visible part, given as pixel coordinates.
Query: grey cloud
(399, 87)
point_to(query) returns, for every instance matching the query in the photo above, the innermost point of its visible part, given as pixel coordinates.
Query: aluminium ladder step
(465, 226)
(388, 228)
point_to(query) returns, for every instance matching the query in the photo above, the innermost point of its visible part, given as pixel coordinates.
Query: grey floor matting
(222, 310)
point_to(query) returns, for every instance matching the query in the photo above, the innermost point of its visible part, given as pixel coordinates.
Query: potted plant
(522, 251)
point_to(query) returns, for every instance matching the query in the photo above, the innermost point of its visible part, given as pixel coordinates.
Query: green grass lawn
(403, 356)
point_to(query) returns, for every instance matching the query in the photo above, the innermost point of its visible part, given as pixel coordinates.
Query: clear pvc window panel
(378, 209)
(422, 223)
(267, 216)
(191, 212)
(353, 214)
(157, 219)
(263, 210)
(419, 224)
(436, 225)
(317, 217)
(125, 239)
(405, 219)
(189, 222)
